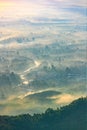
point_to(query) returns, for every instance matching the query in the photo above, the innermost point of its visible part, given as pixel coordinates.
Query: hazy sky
(44, 8)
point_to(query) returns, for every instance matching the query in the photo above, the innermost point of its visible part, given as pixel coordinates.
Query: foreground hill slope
(70, 117)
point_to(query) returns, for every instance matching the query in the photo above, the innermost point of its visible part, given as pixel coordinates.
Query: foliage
(70, 117)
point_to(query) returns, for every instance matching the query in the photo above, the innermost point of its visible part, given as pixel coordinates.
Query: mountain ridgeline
(70, 117)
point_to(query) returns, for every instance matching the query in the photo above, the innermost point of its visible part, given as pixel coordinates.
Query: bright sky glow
(37, 7)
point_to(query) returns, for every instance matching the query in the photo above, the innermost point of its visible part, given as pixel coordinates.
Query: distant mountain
(70, 117)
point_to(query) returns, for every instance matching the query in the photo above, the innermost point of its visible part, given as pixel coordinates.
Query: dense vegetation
(70, 117)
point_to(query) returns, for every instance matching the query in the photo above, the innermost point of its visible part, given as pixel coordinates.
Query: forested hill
(70, 117)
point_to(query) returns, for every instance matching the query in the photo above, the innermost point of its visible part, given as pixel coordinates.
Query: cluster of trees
(9, 79)
(70, 117)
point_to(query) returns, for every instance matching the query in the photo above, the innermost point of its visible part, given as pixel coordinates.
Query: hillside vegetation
(70, 117)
